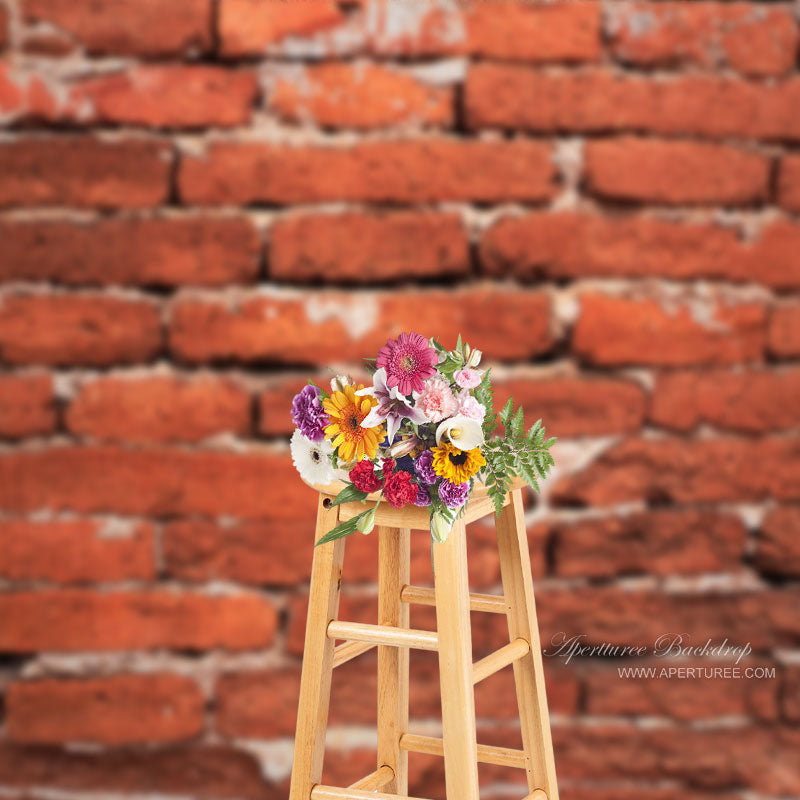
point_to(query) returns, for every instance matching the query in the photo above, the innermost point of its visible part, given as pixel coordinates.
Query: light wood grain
(515, 570)
(379, 779)
(348, 651)
(494, 662)
(383, 634)
(333, 793)
(455, 665)
(421, 595)
(487, 754)
(538, 794)
(393, 573)
(315, 680)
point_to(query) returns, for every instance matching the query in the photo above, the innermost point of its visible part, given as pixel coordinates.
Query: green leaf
(348, 495)
(343, 529)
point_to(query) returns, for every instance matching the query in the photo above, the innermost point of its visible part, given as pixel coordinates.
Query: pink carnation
(437, 400)
(469, 407)
(467, 378)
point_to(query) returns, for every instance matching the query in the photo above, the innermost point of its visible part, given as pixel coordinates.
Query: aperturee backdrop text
(421, 434)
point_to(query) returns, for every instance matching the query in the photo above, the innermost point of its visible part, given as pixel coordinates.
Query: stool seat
(452, 640)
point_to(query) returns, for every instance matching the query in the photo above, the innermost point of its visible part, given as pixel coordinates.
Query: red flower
(388, 467)
(399, 490)
(364, 478)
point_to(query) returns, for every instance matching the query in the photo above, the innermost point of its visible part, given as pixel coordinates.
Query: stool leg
(315, 681)
(393, 575)
(515, 569)
(455, 665)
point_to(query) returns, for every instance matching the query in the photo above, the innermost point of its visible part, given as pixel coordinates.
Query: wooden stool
(453, 641)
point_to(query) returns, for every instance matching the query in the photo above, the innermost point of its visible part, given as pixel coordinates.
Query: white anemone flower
(312, 459)
(463, 432)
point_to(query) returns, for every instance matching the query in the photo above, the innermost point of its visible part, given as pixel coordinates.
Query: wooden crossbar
(320, 792)
(383, 634)
(348, 651)
(375, 780)
(494, 662)
(423, 596)
(487, 754)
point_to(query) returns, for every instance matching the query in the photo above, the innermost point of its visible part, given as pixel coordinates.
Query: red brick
(610, 694)
(77, 329)
(359, 248)
(789, 183)
(638, 791)
(537, 32)
(576, 406)
(159, 409)
(751, 402)
(757, 757)
(169, 97)
(778, 543)
(675, 172)
(315, 327)
(75, 620)
(205, 251)
(784, 331)
(619, 331)
(577, 245)
(790, 700)
(599, 101)
(144, 27)
(204, 772)
(27, 405)
(84, 172)
(154, 481)
(76, 551)
(197, 550)
(684, 471)
(340, 95)
(248, 27)
(659, 542)
(3, 26)
(411, 171)
(749, 38)
(48, 43)
(123, 709)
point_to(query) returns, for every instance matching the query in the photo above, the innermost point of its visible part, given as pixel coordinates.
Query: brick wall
(205, 201)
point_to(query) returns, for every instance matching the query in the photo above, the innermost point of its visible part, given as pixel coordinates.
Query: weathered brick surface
(159, 409)
(72, 551)
(355, 248)
(205, 203)
(77, 329)
(27, 405)
(596, 101)
(84, 172)
(206, 251)
(410, 171)
(675, 172)
(123, 709)
(620, 331)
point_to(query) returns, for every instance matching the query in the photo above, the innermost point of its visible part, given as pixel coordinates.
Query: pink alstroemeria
(392, 406)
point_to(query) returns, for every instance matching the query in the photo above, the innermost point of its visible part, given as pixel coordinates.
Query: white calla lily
(463, 432)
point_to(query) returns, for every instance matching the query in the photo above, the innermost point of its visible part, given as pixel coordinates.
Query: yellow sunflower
(457, 466)
(346, 412)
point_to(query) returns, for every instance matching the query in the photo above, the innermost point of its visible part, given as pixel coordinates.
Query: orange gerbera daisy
(347, 411)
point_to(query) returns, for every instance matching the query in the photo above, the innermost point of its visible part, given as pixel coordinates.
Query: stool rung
(494, 662)
(423, 596)
(487, 754)
(348, 651)
(383, 634)
(320, 792)
(537, 794)
(375, 780)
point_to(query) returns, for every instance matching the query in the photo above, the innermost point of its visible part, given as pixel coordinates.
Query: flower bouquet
(423, 433)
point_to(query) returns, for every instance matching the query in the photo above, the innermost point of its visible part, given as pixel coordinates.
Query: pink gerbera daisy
(408, 361)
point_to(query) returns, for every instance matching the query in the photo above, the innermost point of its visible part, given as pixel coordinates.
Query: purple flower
(423, 466)
(454, 495)
(308, 414)
(423, 497)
